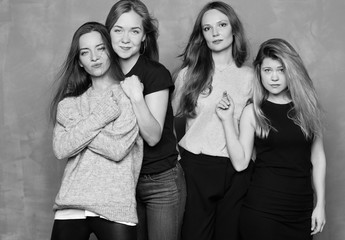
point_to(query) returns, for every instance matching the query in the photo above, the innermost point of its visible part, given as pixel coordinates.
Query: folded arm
(73, 132)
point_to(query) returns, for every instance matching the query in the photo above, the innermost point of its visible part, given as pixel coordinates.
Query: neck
(280, 99)
(128, 64)
(103, 83)
(223, 58)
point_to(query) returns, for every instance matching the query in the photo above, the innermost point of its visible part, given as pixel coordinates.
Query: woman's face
(127, 34)
(93, 55)
(273, 78)
(217, 30)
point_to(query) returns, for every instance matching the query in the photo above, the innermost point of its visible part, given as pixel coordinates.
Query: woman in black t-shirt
(161, 188)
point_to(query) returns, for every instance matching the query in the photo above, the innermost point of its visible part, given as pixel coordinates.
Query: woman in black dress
(283, 124)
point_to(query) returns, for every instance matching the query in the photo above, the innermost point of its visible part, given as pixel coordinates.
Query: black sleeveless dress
(279, 202)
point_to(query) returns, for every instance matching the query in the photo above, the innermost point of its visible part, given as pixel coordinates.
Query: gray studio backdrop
(35, 35)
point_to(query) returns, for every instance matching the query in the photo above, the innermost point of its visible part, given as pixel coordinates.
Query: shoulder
(180, 75)
(247, 72)
(154, 75)
(72, 103)
(153, 67)
(66, 103)
(182, 72)
(67, 109)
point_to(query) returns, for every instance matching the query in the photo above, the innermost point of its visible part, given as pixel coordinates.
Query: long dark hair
(149, 47)
(72, 80)
(197, 57)
(306, 111)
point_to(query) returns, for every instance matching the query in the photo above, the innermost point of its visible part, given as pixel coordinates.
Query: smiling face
(127, 34)
(217, 30)
(273, 78)
(93, 56)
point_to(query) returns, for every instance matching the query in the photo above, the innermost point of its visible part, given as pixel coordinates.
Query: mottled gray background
(35, 35)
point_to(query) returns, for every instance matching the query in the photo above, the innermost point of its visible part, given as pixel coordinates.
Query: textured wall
(35, 35)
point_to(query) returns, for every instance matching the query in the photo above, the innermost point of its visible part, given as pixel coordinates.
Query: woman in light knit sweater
(212, 64)
(96, 130)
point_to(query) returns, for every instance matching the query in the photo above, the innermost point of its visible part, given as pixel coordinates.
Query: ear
(144, 38)
(80, 64)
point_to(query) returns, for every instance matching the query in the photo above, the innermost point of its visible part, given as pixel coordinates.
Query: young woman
(283, 124)
(213, 62)
(161, 187)
(96, 130)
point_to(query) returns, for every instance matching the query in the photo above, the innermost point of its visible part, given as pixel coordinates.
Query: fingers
(223, 104)
(313, 224)
(317, 226)
(133, 78)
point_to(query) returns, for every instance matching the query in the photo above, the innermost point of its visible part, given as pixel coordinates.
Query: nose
(95, 56)
(275, 76)
(215, 31)
(125, 37)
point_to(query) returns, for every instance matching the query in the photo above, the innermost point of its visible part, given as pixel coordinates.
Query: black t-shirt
(156, 77)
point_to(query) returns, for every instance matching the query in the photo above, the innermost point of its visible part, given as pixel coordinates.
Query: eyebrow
(138, 27)
(96, 46)
(220, 21)
(281, 66)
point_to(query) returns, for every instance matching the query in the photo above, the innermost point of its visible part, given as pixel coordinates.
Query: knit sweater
(204, 133)
(98, 134)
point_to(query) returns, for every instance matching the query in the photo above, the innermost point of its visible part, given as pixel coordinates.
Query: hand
(133, 88)
(318, 220)
(225, 108)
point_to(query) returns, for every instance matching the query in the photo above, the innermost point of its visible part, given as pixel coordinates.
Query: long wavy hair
(149, 46)
(72, 80)
(197, 57)
(306, 108)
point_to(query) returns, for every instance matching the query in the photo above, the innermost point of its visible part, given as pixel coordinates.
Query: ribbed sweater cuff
(106, 111)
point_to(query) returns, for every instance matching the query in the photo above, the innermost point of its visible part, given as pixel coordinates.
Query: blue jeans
(161, 200)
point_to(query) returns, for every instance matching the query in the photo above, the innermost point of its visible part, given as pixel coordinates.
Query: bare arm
(149, 110)
(240, 147)
(318, 160)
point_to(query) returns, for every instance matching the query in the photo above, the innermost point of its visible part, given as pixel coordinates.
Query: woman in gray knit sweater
(97, 132)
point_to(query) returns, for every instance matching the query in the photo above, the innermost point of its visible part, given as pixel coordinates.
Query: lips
(97, 65)
(275, 85)
(217, 41)
(125, 48)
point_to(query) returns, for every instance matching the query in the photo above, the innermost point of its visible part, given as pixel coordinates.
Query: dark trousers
(214, 197)
(81, 229)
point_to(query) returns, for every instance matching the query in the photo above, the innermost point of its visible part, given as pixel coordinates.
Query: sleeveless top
(281, 184)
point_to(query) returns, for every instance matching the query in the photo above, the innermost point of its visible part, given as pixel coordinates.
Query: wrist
(137, 98)
(320, 203)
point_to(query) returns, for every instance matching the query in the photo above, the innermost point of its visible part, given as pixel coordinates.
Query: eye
(117, 30)
(101, 49)
(223, 24)
(282, 70)
(83, 53)
(136, 32)
(267, 70)
(205, 29)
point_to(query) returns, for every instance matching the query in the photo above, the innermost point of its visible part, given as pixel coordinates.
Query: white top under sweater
(204, 133)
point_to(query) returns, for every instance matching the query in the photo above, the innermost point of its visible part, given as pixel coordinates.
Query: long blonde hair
(306, 108)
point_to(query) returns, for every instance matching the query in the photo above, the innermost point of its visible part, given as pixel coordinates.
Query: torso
(204, 133)
(156, 77)
(281, 182)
